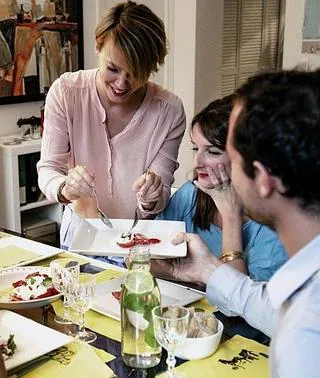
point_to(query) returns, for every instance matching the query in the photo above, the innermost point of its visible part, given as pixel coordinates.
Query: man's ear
(265, 182)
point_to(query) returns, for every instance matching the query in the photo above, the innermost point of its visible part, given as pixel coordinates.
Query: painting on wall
(39, 40)
(311, 27)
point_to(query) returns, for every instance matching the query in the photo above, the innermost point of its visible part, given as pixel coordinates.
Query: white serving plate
(32, 339)
(8, 276)
(95, 238)
(171, 294)
(44, 251)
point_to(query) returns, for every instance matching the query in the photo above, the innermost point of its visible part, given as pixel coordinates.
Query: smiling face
(206, 155)
(114, 81)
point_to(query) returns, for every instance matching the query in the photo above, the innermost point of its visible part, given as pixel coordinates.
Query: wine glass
(170, 326)
(63, 272)
(81, 297)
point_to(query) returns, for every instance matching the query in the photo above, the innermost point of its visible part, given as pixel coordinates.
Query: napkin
(75, 360)
(12, 255)
(242, 358)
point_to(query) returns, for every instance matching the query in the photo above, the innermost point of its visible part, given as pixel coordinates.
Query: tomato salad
(35, 286)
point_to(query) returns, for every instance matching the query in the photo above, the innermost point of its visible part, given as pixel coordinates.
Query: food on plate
(117, 294)
(137, 239)
(34, 286)
(7, 346)
(201, 324)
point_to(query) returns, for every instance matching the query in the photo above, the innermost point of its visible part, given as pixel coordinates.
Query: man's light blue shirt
(287, 308)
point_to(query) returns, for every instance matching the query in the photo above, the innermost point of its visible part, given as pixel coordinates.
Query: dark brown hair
(213, 121)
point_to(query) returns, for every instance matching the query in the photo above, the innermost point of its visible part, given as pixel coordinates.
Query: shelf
(34, 205)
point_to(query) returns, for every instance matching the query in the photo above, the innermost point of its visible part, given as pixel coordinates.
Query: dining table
(236, 356)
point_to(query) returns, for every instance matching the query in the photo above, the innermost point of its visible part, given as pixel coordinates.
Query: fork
(135, 221)
(136, 214)
(104, 219)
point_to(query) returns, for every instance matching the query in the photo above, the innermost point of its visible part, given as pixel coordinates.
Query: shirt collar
(294, 273)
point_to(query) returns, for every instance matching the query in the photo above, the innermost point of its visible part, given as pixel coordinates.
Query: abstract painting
(39, 40)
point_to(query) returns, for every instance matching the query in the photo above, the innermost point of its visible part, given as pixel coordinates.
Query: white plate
(32, 339)
(171, 294)
(44, 251)
(94, 238)
(8, 276)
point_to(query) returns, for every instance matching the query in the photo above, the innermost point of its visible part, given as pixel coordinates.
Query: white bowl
(200, 347)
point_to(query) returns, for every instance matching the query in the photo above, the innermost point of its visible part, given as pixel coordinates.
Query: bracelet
(230, 255)
(61, 198)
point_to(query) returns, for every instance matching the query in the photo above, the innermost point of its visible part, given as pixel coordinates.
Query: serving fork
(126, 235)
(104, 219)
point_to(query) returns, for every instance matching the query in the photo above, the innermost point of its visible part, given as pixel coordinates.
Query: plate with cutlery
(95, 238)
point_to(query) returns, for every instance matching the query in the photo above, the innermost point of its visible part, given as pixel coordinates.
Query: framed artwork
(311, 28)
(39, 40)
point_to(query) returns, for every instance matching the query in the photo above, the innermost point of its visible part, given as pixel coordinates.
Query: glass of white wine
(170, 326)
(63, 273)
(82, 293)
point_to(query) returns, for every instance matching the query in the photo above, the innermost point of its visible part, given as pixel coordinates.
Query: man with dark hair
(274, 145)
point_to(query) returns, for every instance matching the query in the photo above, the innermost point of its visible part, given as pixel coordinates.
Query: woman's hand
(149, 188)
(196, 267)
(222, 193)
(79, 183)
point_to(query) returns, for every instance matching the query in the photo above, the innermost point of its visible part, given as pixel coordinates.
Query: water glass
(81, 297)
(63, 273)
(170, 328)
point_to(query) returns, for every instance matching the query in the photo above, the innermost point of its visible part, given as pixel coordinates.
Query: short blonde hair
(139, 33)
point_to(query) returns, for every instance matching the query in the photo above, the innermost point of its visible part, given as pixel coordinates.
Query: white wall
(292, 55)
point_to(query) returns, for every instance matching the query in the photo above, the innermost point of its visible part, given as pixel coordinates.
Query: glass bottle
(140, 294)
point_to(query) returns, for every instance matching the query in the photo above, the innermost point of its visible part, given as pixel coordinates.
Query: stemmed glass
(81, 297)
(63, 273)
(170, 326)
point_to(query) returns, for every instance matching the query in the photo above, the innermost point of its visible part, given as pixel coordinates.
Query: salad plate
(95, 238)
(12, 275)
(107, 297)
(32, 339)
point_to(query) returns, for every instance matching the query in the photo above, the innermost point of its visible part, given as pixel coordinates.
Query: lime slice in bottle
(139, 282)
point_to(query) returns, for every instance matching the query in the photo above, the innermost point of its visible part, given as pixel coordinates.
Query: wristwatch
(61, 198)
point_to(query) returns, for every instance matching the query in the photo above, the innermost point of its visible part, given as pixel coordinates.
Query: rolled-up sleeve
(165, 163)
(55, 149)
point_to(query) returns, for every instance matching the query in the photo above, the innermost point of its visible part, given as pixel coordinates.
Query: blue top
(263, 251)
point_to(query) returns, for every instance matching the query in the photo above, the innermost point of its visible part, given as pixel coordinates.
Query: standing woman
(105, 127)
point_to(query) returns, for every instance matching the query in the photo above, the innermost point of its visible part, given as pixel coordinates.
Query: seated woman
(211, 208)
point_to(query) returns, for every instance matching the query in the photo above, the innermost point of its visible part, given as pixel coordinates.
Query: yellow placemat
(204, 305)
(75, 360)
(235, 365)
(62, 255)
(4, 235)
(97, 322)
(11, 255)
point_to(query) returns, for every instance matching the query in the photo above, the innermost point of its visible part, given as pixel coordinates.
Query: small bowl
(200, 347)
